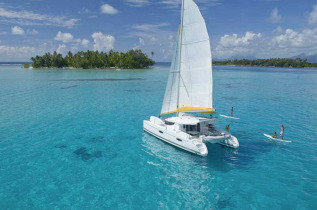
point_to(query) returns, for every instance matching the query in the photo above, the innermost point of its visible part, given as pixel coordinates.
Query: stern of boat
(230, 142)
(202, 148)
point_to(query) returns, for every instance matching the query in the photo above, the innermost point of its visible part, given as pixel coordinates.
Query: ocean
(73, 139)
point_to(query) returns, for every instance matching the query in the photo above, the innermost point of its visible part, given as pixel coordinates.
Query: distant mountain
(310, 58)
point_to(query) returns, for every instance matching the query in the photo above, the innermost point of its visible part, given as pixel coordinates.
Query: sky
(237, 28)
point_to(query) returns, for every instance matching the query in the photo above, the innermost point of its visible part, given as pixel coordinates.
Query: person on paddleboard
(231, 111)
(282, 132)
(275, 135)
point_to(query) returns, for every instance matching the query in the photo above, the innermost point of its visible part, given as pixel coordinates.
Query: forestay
(189, 86)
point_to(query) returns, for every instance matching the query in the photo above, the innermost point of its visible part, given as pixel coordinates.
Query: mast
(180, 54)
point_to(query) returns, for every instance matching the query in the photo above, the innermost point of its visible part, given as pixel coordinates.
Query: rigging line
(184, 85)
(189, 43)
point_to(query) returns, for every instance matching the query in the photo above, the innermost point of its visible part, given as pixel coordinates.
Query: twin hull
(157, 128)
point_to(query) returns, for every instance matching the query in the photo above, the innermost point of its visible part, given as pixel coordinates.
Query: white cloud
(141, 41)
(64, 37)
(69, 38)
(62, 49)
(84, 11)
(154, 37)
(11, 49)
(137, 3)
(235, 41)
(284, 44)
(278, 30)
(293, 39)
(312, 18)
(16, 30)
(136, 47)
(103, 42)
(85, 42)
(275, 17)
(108, 9)
(32, 32)
(12, 53)
(231, 45)
(147, 30)
(149, 27)
(24, 17)
(171, 3)
(88, 13)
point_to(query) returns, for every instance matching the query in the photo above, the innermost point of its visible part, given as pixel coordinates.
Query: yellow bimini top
(202, 110)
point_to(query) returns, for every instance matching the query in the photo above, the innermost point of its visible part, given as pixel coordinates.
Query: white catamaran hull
(175, 139)
(194, 144)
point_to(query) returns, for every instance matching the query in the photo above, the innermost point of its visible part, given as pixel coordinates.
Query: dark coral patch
(80, 151)
(85, 155)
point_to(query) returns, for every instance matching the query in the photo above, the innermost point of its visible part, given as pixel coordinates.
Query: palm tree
(152, 53)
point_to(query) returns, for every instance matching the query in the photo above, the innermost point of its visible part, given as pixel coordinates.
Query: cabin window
(192, 127)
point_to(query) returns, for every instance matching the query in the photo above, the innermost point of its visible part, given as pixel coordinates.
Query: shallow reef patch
(83, 153)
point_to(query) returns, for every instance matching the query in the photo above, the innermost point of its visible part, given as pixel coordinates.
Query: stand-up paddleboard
(269, 136)
(225, 116)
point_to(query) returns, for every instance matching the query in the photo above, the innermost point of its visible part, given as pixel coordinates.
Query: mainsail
(189, 86)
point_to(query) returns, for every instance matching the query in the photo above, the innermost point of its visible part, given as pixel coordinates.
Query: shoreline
(74, 68)
(282, 67)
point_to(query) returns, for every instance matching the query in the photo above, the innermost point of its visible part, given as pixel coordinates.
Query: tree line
(132, 59)
(272, 62)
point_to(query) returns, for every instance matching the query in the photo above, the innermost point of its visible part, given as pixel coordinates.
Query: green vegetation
(132, 59)
(272, 62)
(26, 65)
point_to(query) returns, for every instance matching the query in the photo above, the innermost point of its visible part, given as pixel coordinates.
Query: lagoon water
(74, 140)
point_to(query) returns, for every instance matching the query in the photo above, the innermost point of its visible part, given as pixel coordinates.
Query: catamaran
(189, 91)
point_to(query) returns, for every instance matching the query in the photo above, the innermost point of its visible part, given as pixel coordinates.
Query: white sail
(171, 92)
(189, 87)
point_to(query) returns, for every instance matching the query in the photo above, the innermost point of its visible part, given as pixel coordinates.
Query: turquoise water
(74, 140)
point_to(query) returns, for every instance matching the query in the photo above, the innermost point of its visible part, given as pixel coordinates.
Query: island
(272, 62)
(132, 59)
